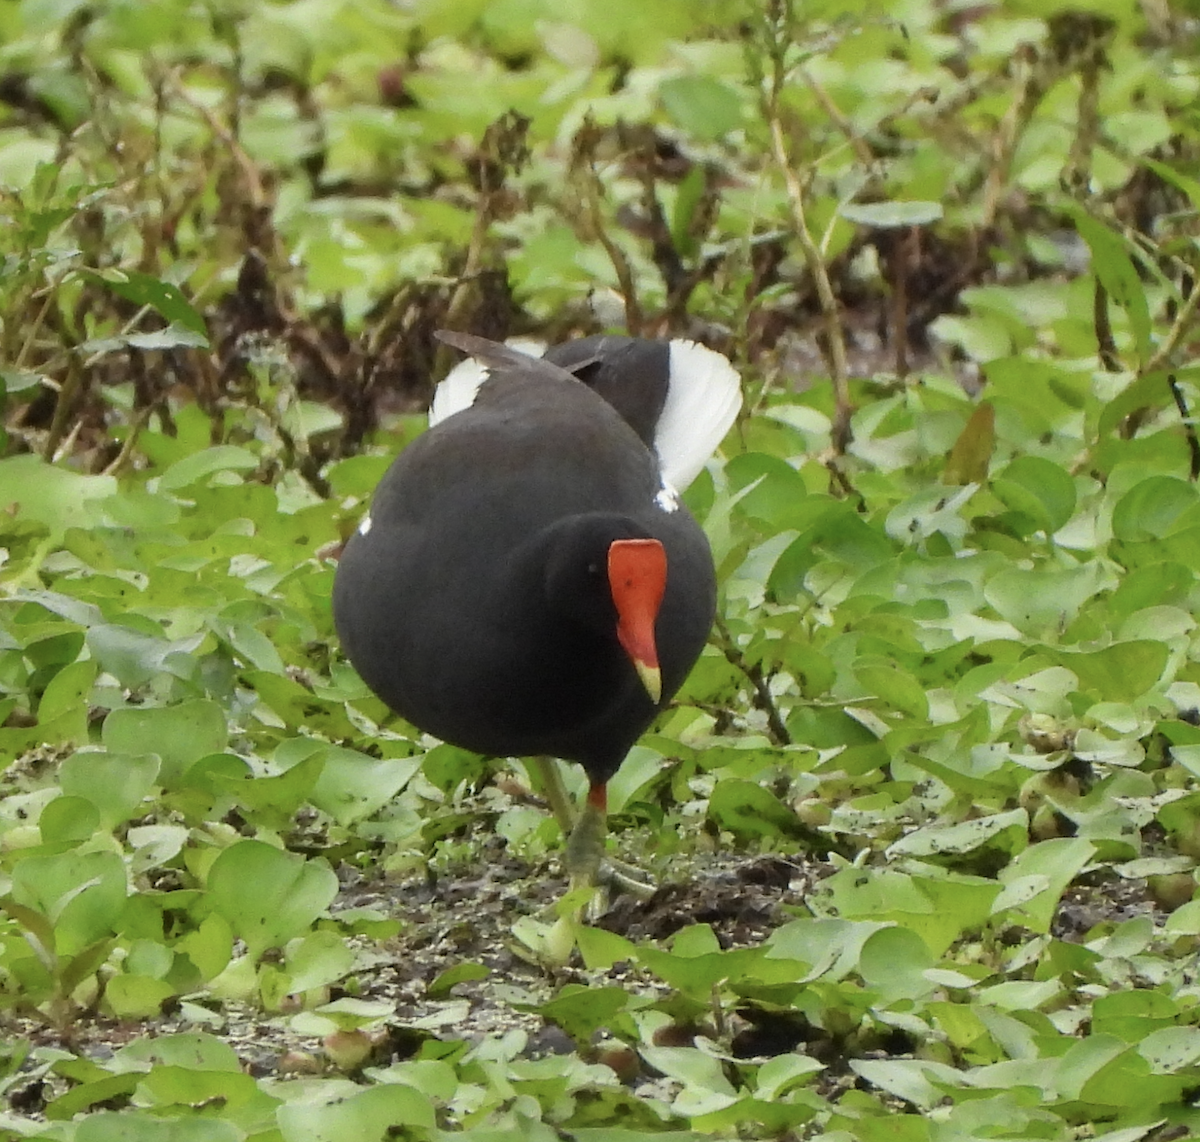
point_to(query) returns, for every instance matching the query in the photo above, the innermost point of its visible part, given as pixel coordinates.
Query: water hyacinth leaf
(55, 497)
(1170, 1049)
(1152, 584)
(920, 1082)
(116, 784)
(357, 475)
(289, 893)
(444, 983)
(696, 975)
(136, 996)
(209, 946)
(320, 958)
(899, 690)
(939, 908)
(250, 645)
(777, 1075)
(344, 1110)
(699, 1073)
(746, 809)
(1005, 831)
(174, 1086)
(894, 962)
(353, 786)
(304, 419)
(66, 693)
(1152, 508)
(134, 657)
(273, 800)
(1122, 671)
(830, 947)
(774, 489)
(174, 336)
(582, 1011)
(180, 734)
(88, 1094)
(1048, 867)
(1040, 602)
(601, 949)
(82, 894)
(1039, 489)
(127, 1126)
(1147, 392)
(68, 821)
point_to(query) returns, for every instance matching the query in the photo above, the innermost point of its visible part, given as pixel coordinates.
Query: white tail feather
(457, 390)
(703, 398)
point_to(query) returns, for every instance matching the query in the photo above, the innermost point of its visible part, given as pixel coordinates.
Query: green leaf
(116, 784)
(748, 810)
(53, 496)
(897, 689)
(180, 735)
(82, 894)
(198, 465)
(582, 1011)
(86, 1095)
(702, 106)
(888, 215)
(127, 1126)
(1120, 672)
(1039, 489)
(1036, 879)
(1152, 508)
(336, 1110)
(175, 336)
(164, 297)
(136, 996)
(894, 963)
(69, 821)
(268, 896)
(459, 973)
(319, 959)
(1038, 601)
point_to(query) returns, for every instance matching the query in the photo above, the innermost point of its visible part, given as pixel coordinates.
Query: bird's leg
(585, 845)
(585, 833)
(556, 793)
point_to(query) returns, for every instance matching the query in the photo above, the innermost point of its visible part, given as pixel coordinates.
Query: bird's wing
(461, 385)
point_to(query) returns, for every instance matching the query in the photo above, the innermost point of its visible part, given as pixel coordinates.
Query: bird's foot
(626, 877)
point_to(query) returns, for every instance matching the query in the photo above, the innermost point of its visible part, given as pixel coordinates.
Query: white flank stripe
(457, 391)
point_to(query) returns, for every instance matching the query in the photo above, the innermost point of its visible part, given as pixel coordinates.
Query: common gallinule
(527, 583)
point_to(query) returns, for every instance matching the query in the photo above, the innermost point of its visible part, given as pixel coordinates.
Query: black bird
(527, 582)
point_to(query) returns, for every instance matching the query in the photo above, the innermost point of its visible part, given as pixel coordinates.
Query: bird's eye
(593, 569)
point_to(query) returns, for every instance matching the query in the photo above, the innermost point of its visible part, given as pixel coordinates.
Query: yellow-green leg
(585, 833)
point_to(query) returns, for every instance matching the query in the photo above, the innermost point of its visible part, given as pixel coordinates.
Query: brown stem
(835, 339)
(760, 681)
(1189, 428)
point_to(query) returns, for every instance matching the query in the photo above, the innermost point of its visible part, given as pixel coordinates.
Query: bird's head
(606, 574)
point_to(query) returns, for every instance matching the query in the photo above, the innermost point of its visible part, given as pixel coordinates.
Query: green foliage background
(954, 685)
